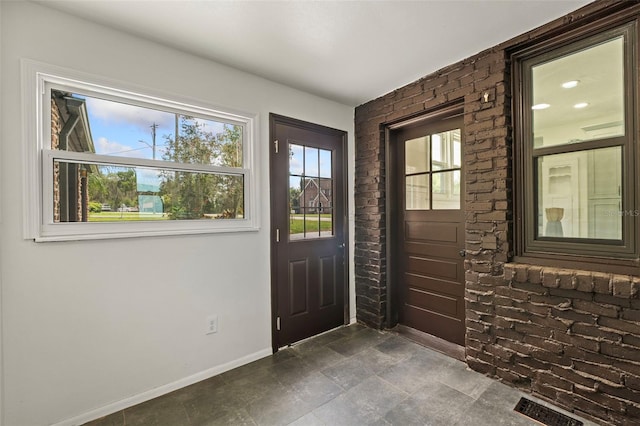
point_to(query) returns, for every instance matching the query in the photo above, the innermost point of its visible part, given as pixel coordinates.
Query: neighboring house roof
(76, 132)
(319, 191)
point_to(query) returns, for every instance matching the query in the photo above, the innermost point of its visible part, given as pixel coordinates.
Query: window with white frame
(115, 162)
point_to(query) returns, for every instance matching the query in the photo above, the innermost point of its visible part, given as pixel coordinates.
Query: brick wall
(569, 336)
(56, 127)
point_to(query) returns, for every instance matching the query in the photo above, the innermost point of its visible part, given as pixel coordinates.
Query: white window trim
(38, 158)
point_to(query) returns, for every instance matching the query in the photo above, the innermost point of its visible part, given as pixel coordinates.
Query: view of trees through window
(166, 166)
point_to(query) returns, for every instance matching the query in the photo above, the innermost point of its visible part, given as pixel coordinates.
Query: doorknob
(462, 253)
(341, 245)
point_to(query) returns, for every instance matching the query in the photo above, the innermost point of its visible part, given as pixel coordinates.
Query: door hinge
(278, 323)
(276, 145)
(277, 235)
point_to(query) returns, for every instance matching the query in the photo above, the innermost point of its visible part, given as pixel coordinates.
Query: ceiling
(347, 51)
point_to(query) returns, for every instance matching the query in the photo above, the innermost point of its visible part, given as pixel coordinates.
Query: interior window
(577, 188)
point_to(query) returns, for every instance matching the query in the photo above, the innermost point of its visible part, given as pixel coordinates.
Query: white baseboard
(162, 390)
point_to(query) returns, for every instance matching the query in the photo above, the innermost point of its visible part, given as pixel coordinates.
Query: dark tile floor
(350, 376)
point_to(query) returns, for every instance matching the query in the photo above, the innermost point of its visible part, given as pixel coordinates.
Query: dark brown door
(431, 228)
(308, 224)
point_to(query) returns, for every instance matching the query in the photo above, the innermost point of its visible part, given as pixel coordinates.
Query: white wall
(89, 324)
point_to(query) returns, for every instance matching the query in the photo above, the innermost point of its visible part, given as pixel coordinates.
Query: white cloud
(107, 147)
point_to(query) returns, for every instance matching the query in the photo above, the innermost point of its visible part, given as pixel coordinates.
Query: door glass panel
(295, 194)
(417, 155)
(296, 159)
(325, 163)
(445, 150)
(580, 96)
(310, 192)
(432, 171)
(579, 194)
(311, 161)
(417, 192)
(446, 190)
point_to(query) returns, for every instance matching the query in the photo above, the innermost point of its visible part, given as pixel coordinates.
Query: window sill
(125, 231)
(605, 283)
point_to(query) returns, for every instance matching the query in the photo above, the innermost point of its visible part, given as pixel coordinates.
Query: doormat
(544, 415)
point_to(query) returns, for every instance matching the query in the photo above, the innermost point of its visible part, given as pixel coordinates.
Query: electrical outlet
(212, 324)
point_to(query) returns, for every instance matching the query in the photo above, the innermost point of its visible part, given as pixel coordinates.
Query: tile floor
(350, 376)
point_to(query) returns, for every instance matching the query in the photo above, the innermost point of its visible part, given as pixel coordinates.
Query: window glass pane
(417, 192)
(296, 159)
(325, 163)
(82, 123)
(311, 161)
(310, 197)
(445, 150)
(580, 96)
(446, 190)
(310, 223)
(417, 155)
(579, 194)
(104, 193)
(296, 187)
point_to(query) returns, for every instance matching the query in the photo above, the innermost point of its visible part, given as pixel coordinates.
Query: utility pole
(154, 126)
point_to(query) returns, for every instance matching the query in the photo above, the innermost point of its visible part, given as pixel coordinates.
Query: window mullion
(578, 147)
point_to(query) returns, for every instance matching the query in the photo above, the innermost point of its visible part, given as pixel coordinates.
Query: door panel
(431, 228)
(309, 285)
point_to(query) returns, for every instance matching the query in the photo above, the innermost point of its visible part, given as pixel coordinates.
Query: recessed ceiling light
(581, 105)
(540, 106)
(570, 84)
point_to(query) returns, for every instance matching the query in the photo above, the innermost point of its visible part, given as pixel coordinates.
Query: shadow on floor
(350, 376)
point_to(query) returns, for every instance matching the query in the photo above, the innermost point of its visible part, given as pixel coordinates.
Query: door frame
(280, 119)
(392, 207)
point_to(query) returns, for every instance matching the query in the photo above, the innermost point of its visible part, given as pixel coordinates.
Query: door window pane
(445, 150)
(580, 96)
(311, 160)
(432, 171)
(296, 159)
(310, 192)
(417, 155)
(579, 194)
(446, 190)
(325, 163)
(417, 192)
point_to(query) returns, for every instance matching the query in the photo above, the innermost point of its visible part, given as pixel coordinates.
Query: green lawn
(296, 226)
(125, 217)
